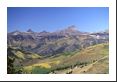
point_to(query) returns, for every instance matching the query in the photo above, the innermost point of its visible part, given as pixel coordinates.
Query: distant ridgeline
(53, 43)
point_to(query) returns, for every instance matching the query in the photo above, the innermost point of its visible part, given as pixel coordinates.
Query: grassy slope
(24, 55)
(96, 58)
(89, 55)
(99, 67)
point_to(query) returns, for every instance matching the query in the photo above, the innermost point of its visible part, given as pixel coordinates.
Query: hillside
(93, 59)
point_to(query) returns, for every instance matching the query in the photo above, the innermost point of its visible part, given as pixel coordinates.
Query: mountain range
(57, 50)
(46, 43)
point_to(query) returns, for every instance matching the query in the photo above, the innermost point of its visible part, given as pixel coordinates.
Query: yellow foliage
(55, 62)
(45, 65)
(20, 55)
(33, 56)
(28, 68)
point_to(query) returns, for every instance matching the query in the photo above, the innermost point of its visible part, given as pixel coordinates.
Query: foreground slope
(93, 59)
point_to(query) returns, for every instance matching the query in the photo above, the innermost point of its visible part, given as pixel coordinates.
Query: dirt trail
(85, 68)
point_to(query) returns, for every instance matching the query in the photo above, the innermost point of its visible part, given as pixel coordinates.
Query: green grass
(40, 70)
(68, 53)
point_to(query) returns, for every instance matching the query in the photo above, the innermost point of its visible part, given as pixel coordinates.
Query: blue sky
(87, 19)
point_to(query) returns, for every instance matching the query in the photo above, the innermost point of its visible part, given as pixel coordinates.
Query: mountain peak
(29, 30)
(72, 27)
(16, 32)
